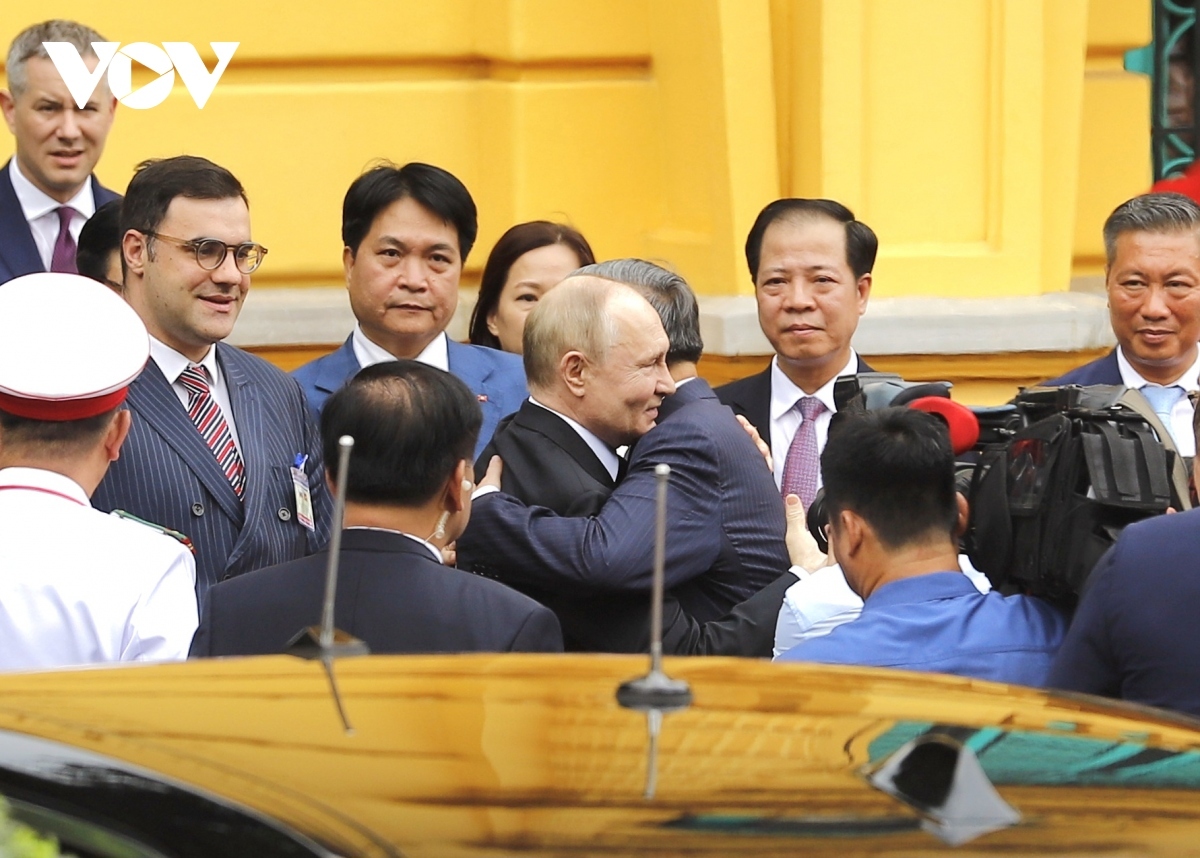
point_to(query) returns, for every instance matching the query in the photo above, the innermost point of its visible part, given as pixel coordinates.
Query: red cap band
(962, 422)
(61, 410)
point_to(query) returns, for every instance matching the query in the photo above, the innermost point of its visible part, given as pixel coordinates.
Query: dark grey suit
(391, 593)
(168, 475)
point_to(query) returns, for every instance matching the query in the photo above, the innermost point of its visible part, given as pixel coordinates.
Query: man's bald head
(595, 350)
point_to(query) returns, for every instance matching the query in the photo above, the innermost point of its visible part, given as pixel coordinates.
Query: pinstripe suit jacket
(167, 474)
(726, 522)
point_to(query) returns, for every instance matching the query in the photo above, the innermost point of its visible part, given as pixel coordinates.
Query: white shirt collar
(1131, 378)
(368, 353)
(433, 549)
(37, 478)
(172, 363)
(606, 454)
(36, 203)
(785, 394)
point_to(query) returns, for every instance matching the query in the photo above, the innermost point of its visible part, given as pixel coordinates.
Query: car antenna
(324, 642)
(656, 693)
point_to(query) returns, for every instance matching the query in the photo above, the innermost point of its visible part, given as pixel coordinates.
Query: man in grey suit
(223, 448)
(47, 191)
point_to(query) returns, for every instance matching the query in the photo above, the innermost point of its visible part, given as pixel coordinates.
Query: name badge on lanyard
(304, 509)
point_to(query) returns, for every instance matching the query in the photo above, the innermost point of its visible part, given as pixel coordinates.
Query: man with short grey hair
(1152, 277)
(47, 191)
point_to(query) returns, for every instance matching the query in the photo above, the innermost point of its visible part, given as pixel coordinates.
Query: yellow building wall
(1114, 153)
(984, 140)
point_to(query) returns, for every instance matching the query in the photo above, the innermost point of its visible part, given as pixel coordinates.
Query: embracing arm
(615, 549)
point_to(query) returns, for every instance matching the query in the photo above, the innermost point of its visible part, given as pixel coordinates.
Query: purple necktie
(802, 467)
(63, 258)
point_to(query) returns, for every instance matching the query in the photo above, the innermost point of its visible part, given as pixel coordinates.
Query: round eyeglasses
(211, 252)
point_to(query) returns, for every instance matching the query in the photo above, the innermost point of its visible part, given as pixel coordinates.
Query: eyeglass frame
(194, 246)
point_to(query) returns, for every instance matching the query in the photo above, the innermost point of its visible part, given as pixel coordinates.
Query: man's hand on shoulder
(491, 479)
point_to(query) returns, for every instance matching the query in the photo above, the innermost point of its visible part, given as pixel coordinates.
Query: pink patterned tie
(206, 414)
(63, 257)
(802, 467)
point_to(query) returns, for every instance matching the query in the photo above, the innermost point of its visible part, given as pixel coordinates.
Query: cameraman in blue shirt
(894, 523)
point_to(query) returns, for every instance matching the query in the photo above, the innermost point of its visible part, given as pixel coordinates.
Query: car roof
(488, 755)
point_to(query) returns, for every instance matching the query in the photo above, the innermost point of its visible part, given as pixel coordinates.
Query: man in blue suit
(223, 448)
(1152, 246)
(726, 537)
(47, 191)
(407, 232)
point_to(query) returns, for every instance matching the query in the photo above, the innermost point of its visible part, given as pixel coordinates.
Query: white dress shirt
(367, 353)
(1180, 424)
(41, 211)
(172, 364)
(821, 601)
(81, 587)
(786, 419)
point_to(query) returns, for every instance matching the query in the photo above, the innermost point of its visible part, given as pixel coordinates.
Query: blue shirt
(941, 623)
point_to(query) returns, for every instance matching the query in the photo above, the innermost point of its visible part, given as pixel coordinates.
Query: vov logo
(172, 57)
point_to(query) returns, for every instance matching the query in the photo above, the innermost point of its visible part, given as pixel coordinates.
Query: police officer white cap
(69, 347)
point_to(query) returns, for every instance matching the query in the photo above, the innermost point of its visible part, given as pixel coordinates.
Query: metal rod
(345, 445)
(662, 474)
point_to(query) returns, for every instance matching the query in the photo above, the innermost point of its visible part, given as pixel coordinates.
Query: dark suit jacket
(1100, 371)
(18, 251)
(168, 475)
(751, 398)
(726, 539)
(391, 593)
(1134, 634)
(547, 464)
(496, 378)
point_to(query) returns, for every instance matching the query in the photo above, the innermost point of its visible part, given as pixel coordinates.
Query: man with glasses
(222, 447)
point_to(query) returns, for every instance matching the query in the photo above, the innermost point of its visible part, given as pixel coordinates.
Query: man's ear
(573, 368)
(964, 515)
(864, 292)
(136, 250)
(9, 106)
(347, 263)
(460, 486)
(117, 432)
(851, 531)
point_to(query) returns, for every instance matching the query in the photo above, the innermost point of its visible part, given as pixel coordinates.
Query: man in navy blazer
(408, 494)
(810, 262)
(47, 191)
(223, 448)
(726, 528)
(407, 232)
(1133, 635)
(1152, 277)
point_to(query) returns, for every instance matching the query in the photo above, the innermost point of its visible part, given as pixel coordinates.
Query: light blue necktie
(1162, 400)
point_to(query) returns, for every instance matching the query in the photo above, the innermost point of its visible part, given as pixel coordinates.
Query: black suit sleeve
(539, 633)
(748, 630)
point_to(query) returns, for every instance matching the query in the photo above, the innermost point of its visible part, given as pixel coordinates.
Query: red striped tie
(206, 414)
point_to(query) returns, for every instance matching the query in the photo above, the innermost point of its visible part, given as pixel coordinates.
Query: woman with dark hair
(528, 261)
